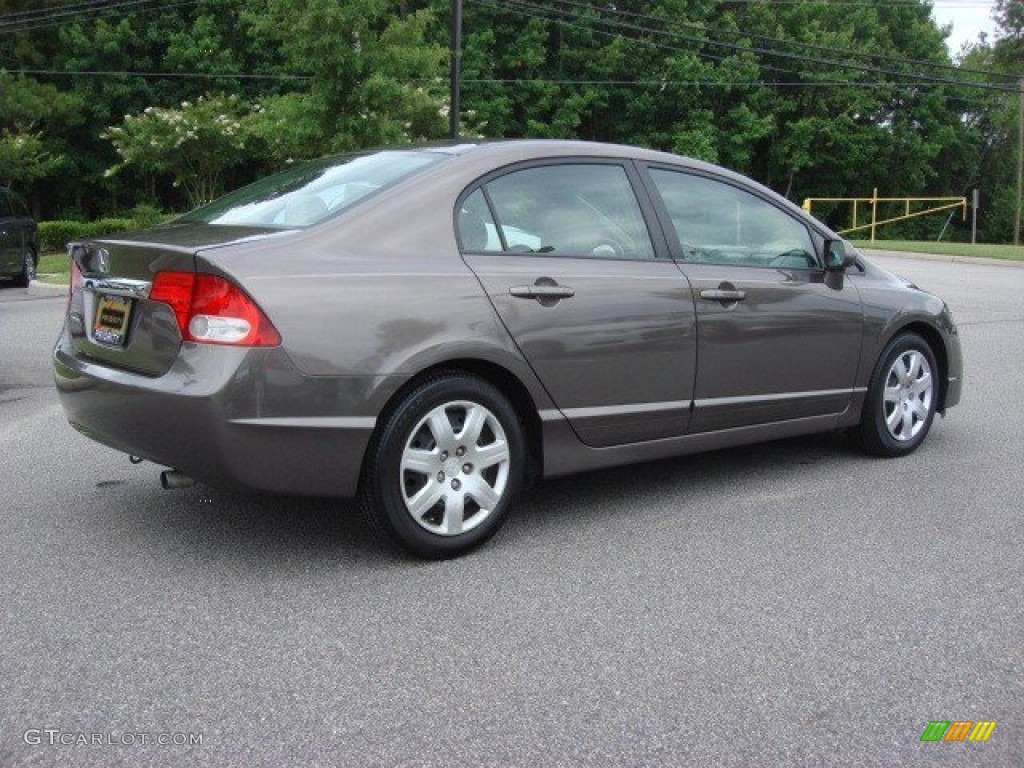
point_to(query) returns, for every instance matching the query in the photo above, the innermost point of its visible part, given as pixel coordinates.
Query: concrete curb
(36, 288)
(943, 257)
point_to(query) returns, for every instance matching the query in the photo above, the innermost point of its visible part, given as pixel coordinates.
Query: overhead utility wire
(85, 4)
(920, 76)
(63, 11)
(119, 8)
(701, 54)
(542, 12)
(124, 73)
(782, 41)
(761, 66)
(649, 83)
(129, 6)
(894, 3)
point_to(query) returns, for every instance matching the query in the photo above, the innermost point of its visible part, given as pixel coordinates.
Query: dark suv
(18, 252)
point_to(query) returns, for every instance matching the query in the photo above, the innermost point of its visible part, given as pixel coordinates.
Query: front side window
(716, 222)
(303, 196)
(581, 209)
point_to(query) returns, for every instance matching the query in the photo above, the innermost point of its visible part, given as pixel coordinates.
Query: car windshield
(313, 191)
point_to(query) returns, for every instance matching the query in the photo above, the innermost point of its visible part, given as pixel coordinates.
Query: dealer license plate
(111, 322)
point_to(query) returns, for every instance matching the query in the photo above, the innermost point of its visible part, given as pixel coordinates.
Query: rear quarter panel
(380, 292)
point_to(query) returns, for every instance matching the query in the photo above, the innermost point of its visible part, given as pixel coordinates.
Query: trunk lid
(111, 319)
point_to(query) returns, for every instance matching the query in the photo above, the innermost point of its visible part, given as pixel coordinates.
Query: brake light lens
(212, 310)
(74, 282)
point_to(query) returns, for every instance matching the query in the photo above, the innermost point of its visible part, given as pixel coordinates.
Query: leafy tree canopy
(812, 98)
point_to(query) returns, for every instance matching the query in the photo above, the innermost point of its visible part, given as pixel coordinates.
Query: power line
(28, 18)
(126, 73)
(752, 49)
(654, 44)
(611, 9)
(530, 10)
(94, 10)
(87, 4)
(666, 82)
(891, 3)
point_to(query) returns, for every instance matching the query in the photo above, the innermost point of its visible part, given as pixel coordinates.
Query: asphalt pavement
(794, 603)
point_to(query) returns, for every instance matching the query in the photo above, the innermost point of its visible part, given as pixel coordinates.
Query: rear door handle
(542, 291)
(720, 294)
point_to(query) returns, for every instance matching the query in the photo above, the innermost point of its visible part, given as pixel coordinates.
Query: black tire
(389, 492)
(911, 416)
(28, 269)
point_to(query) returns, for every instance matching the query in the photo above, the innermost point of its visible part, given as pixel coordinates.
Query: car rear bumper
(229, 417)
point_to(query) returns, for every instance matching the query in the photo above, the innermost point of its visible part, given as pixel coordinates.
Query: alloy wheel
(454, 468)
(907, 399)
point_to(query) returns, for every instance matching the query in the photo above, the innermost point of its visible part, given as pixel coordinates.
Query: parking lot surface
(793, 603)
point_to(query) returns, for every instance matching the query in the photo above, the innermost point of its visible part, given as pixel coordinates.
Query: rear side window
(581, 209)
(717, 222)
(477, 230)
(312, 192)
(5, 205)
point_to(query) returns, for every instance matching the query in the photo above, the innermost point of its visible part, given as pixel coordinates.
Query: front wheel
(441, 476)
(902, 398)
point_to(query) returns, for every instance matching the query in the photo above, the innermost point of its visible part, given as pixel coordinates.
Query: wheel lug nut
(456, 485)
(467, 468)
(444, 455)
(440, 477)
(460, 451)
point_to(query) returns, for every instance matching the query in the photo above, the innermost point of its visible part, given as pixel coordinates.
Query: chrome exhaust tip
(172, 478)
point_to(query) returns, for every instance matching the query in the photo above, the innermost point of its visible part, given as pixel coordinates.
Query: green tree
(23, 159)
(988, 141)
(27, 152)
(194, 144)
(765, 88)
(376, 78)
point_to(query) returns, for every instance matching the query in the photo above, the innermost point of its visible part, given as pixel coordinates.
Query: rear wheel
(28, 269)
(902, 398)
(447, 464)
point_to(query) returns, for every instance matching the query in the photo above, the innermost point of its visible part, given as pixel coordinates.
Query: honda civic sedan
(427, 329)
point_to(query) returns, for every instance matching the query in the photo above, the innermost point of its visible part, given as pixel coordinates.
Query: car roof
(502, 152)
(505, 151)
(547, 147)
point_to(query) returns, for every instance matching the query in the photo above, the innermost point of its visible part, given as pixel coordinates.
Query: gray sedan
(430, 328)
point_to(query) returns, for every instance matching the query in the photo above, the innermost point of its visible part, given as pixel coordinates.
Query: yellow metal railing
(938, 204)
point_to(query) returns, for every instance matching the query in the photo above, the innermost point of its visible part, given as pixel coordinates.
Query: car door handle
(542, 291)
(720, 294)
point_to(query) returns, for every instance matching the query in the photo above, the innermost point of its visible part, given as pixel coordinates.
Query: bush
(54, 235)
(145, 215)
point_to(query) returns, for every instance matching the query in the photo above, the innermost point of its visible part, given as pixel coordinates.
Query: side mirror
(837, 257)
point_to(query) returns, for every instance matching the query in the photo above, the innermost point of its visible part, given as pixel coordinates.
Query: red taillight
(212, 310)
(175, 290)
(74, 282)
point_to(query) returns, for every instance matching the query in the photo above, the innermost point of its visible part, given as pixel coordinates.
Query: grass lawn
(1011, 252)
(54, 268)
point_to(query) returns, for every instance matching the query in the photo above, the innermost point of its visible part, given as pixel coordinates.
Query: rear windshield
(313, 191)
